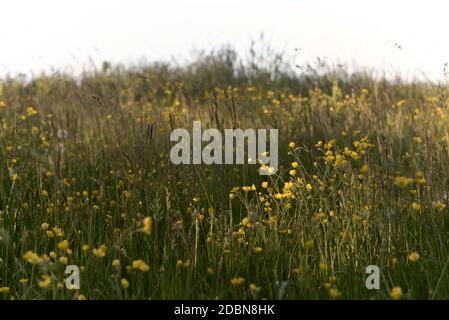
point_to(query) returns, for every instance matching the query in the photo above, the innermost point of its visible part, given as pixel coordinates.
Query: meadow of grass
(86, 180)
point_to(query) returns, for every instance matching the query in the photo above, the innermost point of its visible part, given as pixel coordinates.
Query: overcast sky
(410, 37)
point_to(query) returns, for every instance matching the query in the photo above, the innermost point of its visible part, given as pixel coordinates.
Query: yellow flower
(63, 260)
(309, 244)
(237, 281)
(402, 182)
(334, 293)
(63, 245)
(82, 297)
(309, 187)
(421, 181)
(439, 205)
(4, 289)
(292, 145)
(417, 140)
(364, 169)
(257, 249)
(35, 130)
(246, 222)
(58, 231)
(45, 282)
(292, 172)
(100, 252)
(420, 174)
(265, 184)
(323, 266)
(148, 225)
(31, 257)
(31, 111)
(140, 265)
(416, 206)
(396, 293)
(23, 280)
(413, 257)
(45, 226)
(124, 283)
(116, 263)
(295, 164)
(253, 287)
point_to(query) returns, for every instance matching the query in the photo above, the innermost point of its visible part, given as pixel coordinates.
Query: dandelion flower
(31, 257)
(246, 222)
(253, 287)
(148, 225)
(417, 140)
(439, 205)
(100, 252)
(364, 169)
(257, 249)
(63, 245)
(140, 265)
(402, 182)
(413, 257)
(4, 289)
(45, 282)
(334, 293)
(116, 263)
(31, 111)
(237, 281)
(396, 293)
(309, 244)
(416, 206)
(124, 283)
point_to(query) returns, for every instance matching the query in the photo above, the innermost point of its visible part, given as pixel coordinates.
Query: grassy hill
(86, 180)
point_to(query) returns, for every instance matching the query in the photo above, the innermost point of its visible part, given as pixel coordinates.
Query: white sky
(66, 35)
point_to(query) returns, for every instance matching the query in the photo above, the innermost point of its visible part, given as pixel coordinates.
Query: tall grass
(87, 160)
